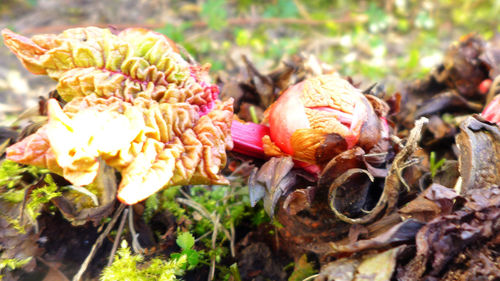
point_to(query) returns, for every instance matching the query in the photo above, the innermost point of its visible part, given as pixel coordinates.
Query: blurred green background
(372, 41)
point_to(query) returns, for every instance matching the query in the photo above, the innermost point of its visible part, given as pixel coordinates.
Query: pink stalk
(247, 138)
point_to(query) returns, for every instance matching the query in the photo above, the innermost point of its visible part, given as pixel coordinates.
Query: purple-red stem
(247, 138)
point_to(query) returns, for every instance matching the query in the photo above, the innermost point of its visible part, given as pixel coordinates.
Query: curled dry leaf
(380, 266)
(439, 132)
(403, 232)
(436, 200)
(479, 158)
(273, 180)
(440, 241)
(78, 210)
(459, 85)
(463, 66)
(309, 228)
(305, 220)
(299, 199)
(343, 173)
(445, 102)
(133, 102)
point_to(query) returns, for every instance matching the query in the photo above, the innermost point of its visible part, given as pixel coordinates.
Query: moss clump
(129, 267)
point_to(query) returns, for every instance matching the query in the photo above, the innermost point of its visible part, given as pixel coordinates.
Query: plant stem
(247, 138)
(117, 237)
(97, 244)
(253, 114)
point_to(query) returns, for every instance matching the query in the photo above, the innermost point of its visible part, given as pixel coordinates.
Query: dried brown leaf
(479, 158)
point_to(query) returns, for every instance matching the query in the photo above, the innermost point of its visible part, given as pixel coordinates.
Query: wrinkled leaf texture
(134, 102)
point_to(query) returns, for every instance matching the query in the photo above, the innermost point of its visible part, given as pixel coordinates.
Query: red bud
(492, 111)
(307, 112)
(484, 87)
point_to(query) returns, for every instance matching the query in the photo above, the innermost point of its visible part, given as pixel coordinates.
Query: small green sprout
(433, 165)
(185, 240)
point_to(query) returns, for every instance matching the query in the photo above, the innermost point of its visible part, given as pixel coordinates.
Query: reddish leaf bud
(318, 109)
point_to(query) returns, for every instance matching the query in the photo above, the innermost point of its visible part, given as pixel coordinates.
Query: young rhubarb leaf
(133, 102)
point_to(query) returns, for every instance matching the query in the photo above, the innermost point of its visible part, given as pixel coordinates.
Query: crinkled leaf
(133, 102)
(146, 143)
(91, 60)
(185, 240)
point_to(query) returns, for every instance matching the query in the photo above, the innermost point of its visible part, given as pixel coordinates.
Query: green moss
(41, 196)
(12, 264)
(130, 267)
(11, 173)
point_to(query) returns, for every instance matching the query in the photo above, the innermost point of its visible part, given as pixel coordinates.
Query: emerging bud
(319, 118)
(492, 111)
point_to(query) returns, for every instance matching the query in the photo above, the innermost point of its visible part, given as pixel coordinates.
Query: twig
(98, 243)
(136, 246)
(311, 277)
(395, 139)
(204, 212)
(117, 238)
(186, 54)
(196, 206)
(232, 230)
(494, 88)
(375, 154)
(214, 217)
(202, 236)
(233, 237)
(214, 239)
